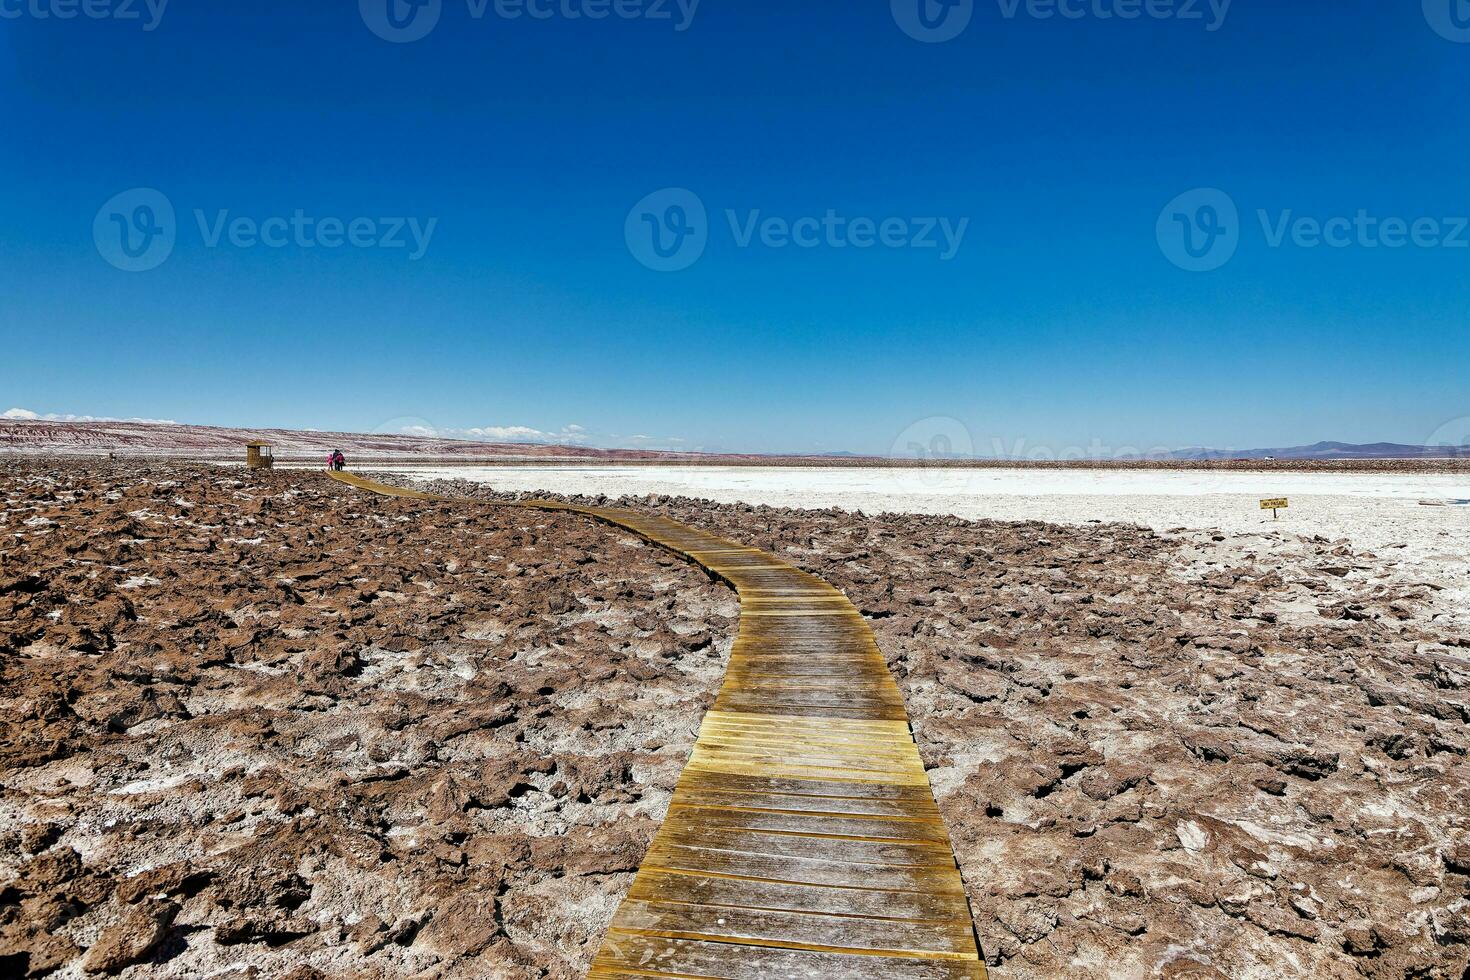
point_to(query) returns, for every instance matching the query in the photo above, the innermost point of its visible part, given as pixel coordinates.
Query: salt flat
(1381, 512)
(1332, 504)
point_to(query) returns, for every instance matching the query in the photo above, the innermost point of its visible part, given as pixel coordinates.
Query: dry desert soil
(259, 725)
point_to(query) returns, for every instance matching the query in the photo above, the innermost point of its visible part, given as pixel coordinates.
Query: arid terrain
(1194, 755)
(139, 438)
(262, 725)
(259, 722)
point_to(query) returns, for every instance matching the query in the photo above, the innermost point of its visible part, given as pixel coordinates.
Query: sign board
(1274, 504)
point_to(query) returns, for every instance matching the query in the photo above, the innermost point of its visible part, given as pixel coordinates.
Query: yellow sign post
(1273, 505)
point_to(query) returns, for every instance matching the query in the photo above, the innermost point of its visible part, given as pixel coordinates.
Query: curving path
(803, 839)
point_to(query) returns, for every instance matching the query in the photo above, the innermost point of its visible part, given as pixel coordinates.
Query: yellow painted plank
(697, 889)
(624, 956)
(796, 930)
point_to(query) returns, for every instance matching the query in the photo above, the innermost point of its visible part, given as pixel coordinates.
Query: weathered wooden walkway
(803, 839)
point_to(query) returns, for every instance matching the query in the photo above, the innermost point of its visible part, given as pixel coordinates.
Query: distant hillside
(157, 439)
(1330, 450)
(35, 437)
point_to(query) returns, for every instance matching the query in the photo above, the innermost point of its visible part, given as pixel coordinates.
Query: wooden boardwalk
(803, 839)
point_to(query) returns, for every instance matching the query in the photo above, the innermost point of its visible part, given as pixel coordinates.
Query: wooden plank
(819, 824)
(697, 889)
(934, 880)
(828, 727)
(888, 750)
(868, 767)
(801, 768)
(810, 751)
(755, 783)
(649, 956)
(795, 930)
(855, 711)
(797, 803)
(844, 850)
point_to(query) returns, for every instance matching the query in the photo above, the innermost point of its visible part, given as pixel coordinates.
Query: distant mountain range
(40, 437)
(89, 438)
(1329, 450)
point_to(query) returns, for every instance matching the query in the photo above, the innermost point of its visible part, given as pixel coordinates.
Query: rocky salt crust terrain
(1190, 755)
(262, 725)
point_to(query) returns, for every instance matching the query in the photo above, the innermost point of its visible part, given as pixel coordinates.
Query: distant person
(339, 462)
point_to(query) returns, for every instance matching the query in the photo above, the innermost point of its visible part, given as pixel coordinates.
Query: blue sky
(531, 152)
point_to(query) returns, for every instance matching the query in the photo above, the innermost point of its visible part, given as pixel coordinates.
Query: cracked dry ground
(264, 725)
(1181, 756)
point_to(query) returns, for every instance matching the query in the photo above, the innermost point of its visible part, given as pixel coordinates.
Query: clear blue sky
(1059, 321)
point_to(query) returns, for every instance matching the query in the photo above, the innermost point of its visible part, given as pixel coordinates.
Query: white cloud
(507, 433)
(566, 436)
(26, 415)
(655, 442)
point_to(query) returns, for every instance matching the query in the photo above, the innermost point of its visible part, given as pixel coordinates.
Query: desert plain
(257, 724)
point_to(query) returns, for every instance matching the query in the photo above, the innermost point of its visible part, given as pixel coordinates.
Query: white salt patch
(149, 786)
(1191, 835)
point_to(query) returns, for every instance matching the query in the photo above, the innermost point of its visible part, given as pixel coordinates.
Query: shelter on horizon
(258, 456)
